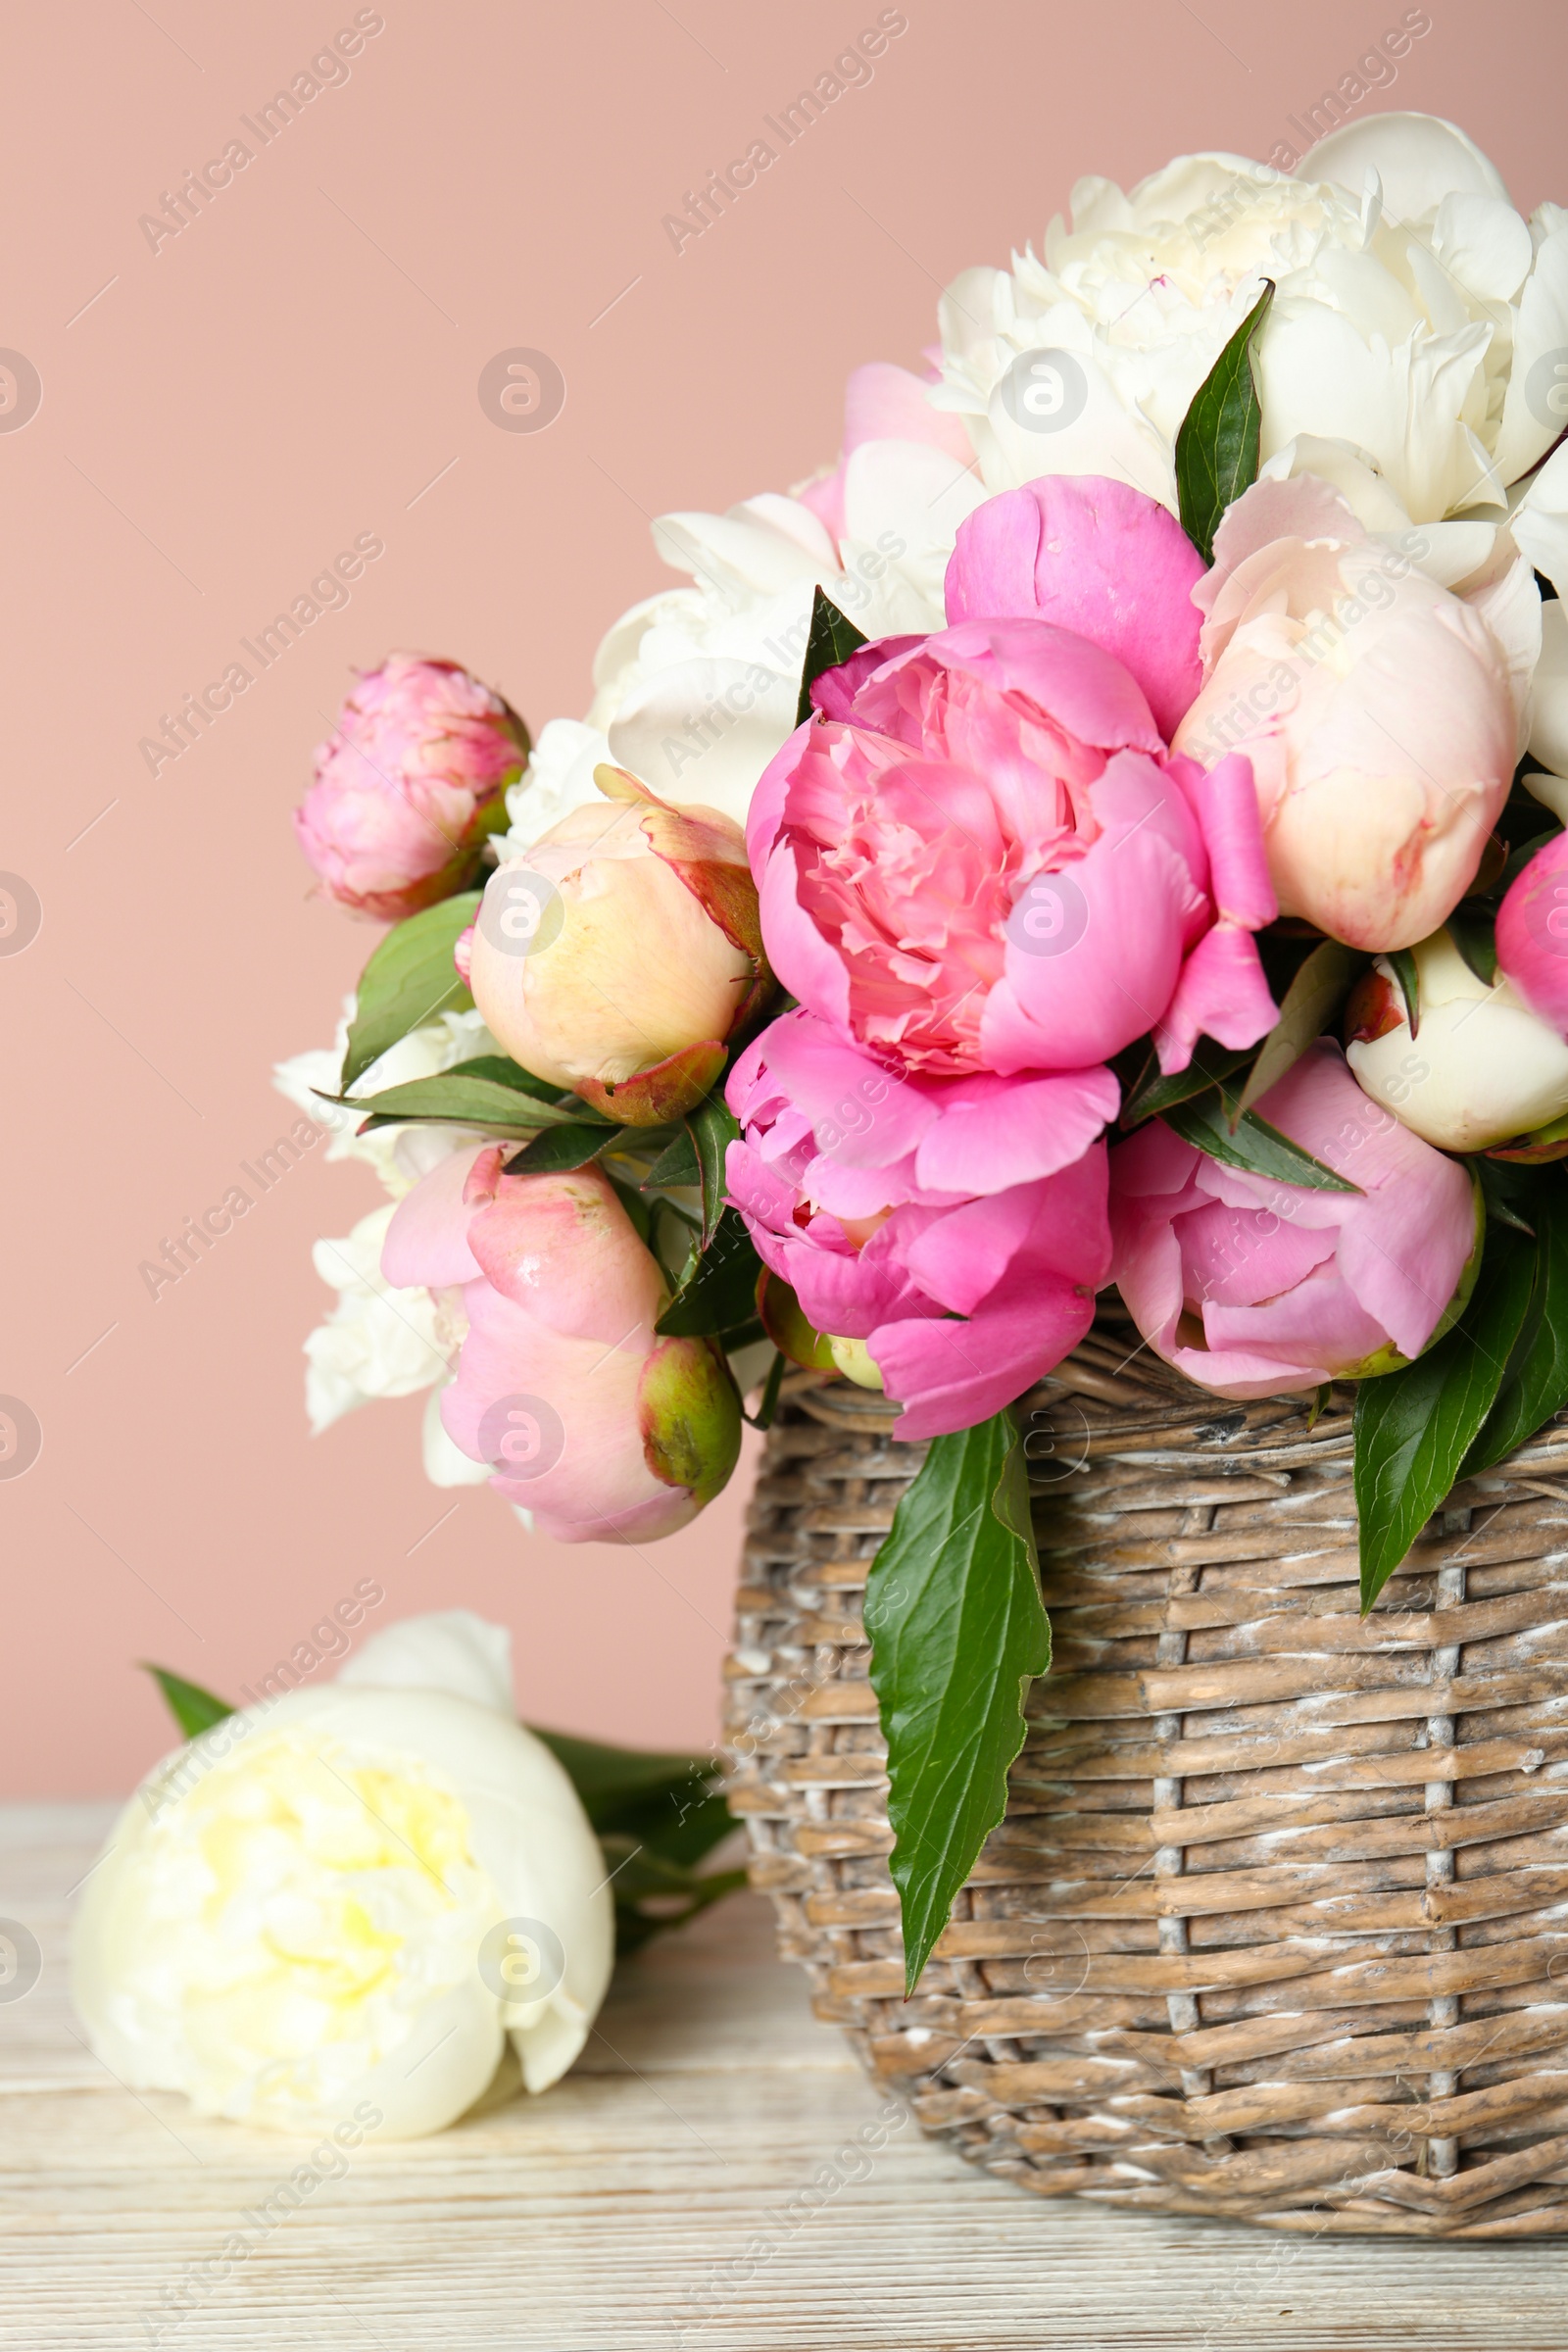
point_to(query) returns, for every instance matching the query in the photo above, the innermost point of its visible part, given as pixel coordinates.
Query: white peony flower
(696, 688)
(1414, 316)
(377, 1341)
(339, 1904)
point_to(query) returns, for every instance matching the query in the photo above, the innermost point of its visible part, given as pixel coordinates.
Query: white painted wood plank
(644, 2205)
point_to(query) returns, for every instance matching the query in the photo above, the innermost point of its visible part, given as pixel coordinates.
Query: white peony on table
(671, 2192)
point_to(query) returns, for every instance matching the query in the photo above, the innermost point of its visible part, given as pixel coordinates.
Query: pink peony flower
(1378, 710)
(980, 856)
(1252, 1287)
(1533, 933)
(606, 1431)
(956, 1226)
(408, 787)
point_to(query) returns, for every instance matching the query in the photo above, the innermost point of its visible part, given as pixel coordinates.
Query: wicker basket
(1277, 1924)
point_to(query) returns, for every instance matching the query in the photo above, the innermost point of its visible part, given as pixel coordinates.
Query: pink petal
(808, 965)
(1222, 994)
(993, 1131)
(861, 1115)
(949, 1374)
(427, 1239)
(1533, 933)
(1225, 799)
(1096, 557)
(1239, 1257)
(1319, 1318)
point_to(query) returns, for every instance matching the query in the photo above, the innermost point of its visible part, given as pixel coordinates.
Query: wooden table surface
(672, 2192)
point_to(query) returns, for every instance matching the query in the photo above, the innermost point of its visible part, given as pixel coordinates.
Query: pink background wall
(219, 418)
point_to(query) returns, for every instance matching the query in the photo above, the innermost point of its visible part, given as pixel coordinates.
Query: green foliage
(957, 1631)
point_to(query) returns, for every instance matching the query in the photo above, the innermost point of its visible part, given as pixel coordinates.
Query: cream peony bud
(1481, 1069)
(347, 1899)
(620, 952)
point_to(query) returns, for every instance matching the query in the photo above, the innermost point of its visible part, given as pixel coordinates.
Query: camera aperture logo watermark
(521, 390)
(522, 1437)
(521, 913)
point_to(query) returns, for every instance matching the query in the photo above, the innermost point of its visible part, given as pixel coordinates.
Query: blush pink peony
(602, 1429)
(1252, 1287)
(408, 787)
(1379, 711)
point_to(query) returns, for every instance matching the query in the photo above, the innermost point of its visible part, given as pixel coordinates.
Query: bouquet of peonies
(1103, 831)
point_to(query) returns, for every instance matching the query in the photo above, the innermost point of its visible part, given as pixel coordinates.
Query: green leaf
(713, 1130)
(562, 1148)
(1253, 1144)
(1535, 1384)
(1473, 932)
(1217, 445)
(408, 981)
(618, 1786)
(194, 1709)
(718, 1288)
(1310, 1002)
(502, 1070)
(1414, 1427)
(1146, 1094)
(676, 1165)
(833, 639)
(959, 1631)
(1403, 966)
(454, 1098)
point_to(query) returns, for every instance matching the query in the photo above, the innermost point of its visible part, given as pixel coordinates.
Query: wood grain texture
(676, 2194)
(1276, 1925)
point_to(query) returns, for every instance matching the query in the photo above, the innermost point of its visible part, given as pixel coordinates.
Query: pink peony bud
(408, 786)
(622, 952)
(1377, 709)
(1533, 933)
(1252, 1287)
(605, 1431)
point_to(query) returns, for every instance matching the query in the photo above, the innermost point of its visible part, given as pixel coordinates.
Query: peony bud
(328, 1912)
(1251, 1286)
(602, 1430)
(617, 956)
(1377, 709)
(1481, 1069)
(409, 787)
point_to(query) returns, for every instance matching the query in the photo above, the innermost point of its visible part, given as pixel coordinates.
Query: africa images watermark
(328, 70)
(328, 592)
(851, 69)
(327, 2161)
(1374, 71)
(197, 1236)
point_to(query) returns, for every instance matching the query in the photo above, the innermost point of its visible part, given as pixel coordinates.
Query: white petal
(451, 1650)
(1548, 732)
(702, 732)
(1419, 158)
(445, 1463)
(1535, 405)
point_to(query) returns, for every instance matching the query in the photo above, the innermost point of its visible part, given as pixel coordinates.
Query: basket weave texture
(1276, 1926)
